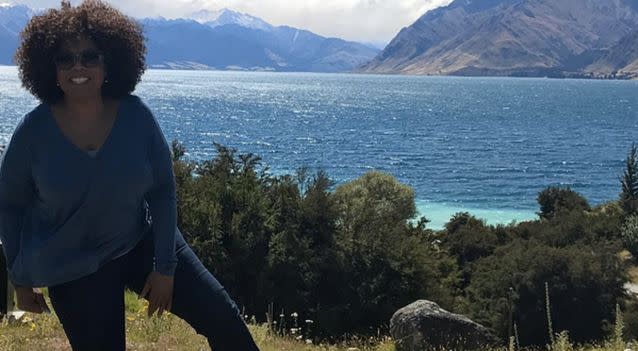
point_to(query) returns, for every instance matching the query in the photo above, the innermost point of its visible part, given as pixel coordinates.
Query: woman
(80, 178)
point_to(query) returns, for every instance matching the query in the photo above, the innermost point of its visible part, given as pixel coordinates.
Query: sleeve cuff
(16, 284)
(166, 268)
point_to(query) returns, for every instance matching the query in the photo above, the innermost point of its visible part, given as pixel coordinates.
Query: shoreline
(629, 77)
(440, 213)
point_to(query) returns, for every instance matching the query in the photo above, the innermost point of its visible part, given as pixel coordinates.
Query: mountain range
(225, 40)
(556, 38)
(12, 20)
(561, 38)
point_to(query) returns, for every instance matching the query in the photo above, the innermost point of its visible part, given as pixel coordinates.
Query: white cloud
(363, 20)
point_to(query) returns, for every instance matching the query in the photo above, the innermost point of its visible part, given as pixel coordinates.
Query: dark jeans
(4, 282)
(91, 309)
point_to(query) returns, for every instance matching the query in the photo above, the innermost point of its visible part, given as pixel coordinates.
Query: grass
(169, 333)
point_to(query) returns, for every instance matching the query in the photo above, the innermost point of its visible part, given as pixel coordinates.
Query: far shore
(632, 77)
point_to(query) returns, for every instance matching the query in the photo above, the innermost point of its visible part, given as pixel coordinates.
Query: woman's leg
(91, 309)
(199, 299)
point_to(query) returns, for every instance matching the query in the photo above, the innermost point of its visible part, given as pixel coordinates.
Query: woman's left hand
(158, 290)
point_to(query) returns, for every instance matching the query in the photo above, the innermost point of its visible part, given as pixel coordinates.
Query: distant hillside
(621, 59)
(510, 37)
(235, 46)
(12, 20)
(225, 40)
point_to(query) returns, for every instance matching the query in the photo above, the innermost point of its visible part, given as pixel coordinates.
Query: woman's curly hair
(117, 36)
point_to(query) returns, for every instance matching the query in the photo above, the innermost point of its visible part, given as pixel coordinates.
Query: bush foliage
(348, 257)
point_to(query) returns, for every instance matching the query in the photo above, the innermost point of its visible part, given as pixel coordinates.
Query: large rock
(423, 325)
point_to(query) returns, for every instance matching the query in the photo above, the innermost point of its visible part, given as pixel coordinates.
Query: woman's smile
(79, 80)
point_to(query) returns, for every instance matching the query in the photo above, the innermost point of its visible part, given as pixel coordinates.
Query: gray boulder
(423, 325)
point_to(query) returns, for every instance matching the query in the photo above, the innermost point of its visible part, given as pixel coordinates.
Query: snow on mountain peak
(226, 16)
(203, 16)
(13, 18)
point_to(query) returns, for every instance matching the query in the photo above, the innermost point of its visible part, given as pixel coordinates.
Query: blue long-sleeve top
(64, 213)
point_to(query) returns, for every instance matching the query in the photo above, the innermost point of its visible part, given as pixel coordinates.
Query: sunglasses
(87, 58)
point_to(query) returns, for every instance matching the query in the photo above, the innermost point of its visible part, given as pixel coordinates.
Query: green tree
(224, 214)
(629, 182)
(575, 252)
(584, 281)
(304, 266)
(555, 201)
(629, 235)
(469, 238)
(389, 261)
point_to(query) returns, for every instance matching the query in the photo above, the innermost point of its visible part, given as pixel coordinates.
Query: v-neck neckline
(86, 153)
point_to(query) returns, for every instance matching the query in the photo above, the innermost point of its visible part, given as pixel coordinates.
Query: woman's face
(80, 68)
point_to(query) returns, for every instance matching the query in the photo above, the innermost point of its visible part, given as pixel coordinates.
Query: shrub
(555, 201)
(389, 261)
(584, 284)
(629, 234)
(629, 183)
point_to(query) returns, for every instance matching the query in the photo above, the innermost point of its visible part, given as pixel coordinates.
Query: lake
(483, 145)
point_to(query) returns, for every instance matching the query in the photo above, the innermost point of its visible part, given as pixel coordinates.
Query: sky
(373, 21)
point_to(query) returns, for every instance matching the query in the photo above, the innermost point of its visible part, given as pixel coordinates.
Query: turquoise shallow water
(440, 213)
(483, 145)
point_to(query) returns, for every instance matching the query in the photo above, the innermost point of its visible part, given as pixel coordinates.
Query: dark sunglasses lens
(91, 58)
(64, 60)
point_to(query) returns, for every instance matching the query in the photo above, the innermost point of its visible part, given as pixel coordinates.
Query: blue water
(485, 145)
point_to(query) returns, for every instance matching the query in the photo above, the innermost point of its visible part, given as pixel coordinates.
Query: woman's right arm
(16, 190)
